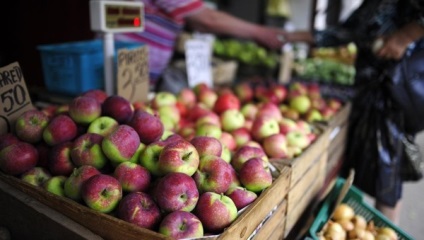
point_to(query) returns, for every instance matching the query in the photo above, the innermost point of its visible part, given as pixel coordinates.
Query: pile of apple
(163, 165)
(346, 224)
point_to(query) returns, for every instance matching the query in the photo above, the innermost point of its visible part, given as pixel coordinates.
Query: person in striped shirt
(165, 19)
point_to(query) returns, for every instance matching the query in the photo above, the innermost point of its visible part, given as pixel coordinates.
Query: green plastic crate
(353, 198)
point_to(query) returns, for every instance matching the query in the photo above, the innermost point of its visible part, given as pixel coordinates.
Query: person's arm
(218, 22)
(395, 45)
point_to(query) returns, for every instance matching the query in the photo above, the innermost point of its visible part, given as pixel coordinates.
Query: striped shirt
(164, 19)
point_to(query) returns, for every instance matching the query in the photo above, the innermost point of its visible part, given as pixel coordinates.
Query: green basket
(353, 198)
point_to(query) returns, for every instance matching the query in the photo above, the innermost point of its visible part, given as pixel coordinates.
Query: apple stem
(185, 157)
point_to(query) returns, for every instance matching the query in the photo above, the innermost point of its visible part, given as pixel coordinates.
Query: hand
(272, 38)
(393, 46)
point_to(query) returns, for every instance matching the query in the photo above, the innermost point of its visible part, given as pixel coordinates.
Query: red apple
(207, 97)
(73, 184)
(181, 225)
(263, 127)
(101, 193)
(244, 92)
(245, 153)
(327, 113)
(255, 175)
(209, 117)
(59, 130)
(226, 101)
(36, 176)
(103, 125)
(139, 208)
(215, 211)
(298, 139)
(84, 110)
(98, 94)
(241, 136)
(209, 129)
(163, 98)
(280, 92)
(8, 139)
(30, 125)
(228, 140)
(133, 177)
(314, 91)
(60, 161)
(207, 145)
(118, 108)
(18, 158)
(287, 125)
(148, 127)
(249, 111)
(149, 157)
(334, 104)
(241, 196)
(231, 119)
(275, 146)
(198, 110)
(176, 192)
(187, 97)
(213, 175)
(87, 150)
(121, 144)
(179, 156)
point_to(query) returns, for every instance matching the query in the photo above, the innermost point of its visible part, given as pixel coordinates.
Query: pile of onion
(345, 224)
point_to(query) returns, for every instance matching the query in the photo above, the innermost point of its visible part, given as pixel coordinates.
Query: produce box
(353, 198)
(249, 222)
(75, 67)
(224, 71)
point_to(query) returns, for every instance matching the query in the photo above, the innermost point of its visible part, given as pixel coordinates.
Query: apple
(213, 175)
(249, 111)
(314, 91)
(207, 97)
(133, 177)
(187, 97)
(255, 175)
(215, 211)
(73, 184)
(208, 129)
(327, 113)
(241, 136)
(235, 182)
(98, 94)
(8, 139)
(179, 156)
(231, 120)
(171, 112)
(198, 88)
(304, 126)
(198, 110)
(49, 110)
(244, 92)
(176, 192)
(18, 158)
(36, 176)
(149, 157)
(209, 117)
(187, 132)
(253, 143)
(287, 125)
(118, 107)
(29, 126)
(226, 154)
(313, 115)
(59, 130)
(275, 146)
(291, 114)
(136, 157)
(103, 125)
(225, 102)
(270, 110)
(55, 185)
(301, 104)
(260, 92)
(293, 151)
(263, 127)
(87, 150)
(101, 193)
(297, 139)
(299, 87)
(228, 140)
(334, 104)
(241, 196)
(181, 225)
(60, 160)
(84, 110)
(245, 153)
(121, 144)
(318, 103)
(148, 126)
(62, 109)
(207, 145)
(139, 208)
(280, 92)
(163, 98)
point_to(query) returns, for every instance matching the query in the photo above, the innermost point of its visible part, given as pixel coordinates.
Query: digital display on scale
(122, 16)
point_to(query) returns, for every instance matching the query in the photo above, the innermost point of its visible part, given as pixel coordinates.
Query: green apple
(55, 185)
(103, 125)
(300, 103)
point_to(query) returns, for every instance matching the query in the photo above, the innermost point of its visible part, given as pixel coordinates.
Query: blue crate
(75, 67)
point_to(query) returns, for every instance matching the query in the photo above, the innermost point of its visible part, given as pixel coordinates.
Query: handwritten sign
(14, 96)
(133, 74)
(198, 62)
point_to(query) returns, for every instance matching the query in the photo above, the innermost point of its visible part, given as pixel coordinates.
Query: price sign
(14, 96)
(133, 74)
(198, 62)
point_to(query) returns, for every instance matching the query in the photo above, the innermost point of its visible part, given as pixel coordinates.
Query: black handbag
(412, 167)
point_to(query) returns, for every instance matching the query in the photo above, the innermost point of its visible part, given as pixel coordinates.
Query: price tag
(133, 74)
(198, 62)
(14, 96)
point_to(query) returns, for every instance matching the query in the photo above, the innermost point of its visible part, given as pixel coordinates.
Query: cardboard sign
(198, 62)
(133, 74)
(14, 96)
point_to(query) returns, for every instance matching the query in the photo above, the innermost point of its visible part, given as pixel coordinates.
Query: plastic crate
(353, 198)
(74, 67)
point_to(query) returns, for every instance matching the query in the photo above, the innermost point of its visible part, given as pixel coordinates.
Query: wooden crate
(110, 227)
(305, 190)
(27, 218)
(274, 227)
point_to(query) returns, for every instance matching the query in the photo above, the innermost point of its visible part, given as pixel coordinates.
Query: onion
(368, 236)
(343, 211)
(356, 233)
(359, 222)
(346, 224)
(388, 232)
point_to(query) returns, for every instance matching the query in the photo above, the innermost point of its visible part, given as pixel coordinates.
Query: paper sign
(198, 62)
(14, 96)
(133, 74)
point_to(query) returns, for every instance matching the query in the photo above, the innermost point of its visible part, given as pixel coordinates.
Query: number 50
(13, 96)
